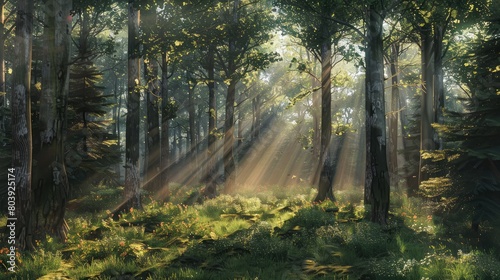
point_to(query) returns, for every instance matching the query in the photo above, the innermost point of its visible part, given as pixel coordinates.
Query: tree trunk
(153, 139)
(175, 143)
(256, 117)
(324, 171)
(427, 100)
(211, 170)
(377, 177)
(165, 118)
(229, 165)
(228, 158)
(21, 127)
(117, 116)
(191, 114)
(438, 78)
(240, 121)
(51, 186)
(179, 142)
(132, 190)
(316, 114)
(393, 117)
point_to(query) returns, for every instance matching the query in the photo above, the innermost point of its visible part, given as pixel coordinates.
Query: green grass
(269, 235)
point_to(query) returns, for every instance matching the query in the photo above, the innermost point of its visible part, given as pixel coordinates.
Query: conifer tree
(473, 183)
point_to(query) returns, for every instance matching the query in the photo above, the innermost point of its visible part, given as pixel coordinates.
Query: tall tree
(203, 22)
(21, 124)
(377, 175)
(395, 102)
(435, 21)
(91, 149)
(151, 73)
(212, 123)
(427, 115)
(325, 177)
(246, 26)
(132, 190)
(377, 187)
(51, 186)
(229, 164)
(311, 22)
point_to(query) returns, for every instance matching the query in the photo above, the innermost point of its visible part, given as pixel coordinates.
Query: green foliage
(91, 147)
(472, 163)
(271, 236)
(37, 264)
(169, 111)
(310, 22)
(311, 218)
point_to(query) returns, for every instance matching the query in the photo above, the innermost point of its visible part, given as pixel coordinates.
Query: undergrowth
(265, 235)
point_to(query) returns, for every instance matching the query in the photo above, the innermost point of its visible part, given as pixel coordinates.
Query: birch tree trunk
(21, 125)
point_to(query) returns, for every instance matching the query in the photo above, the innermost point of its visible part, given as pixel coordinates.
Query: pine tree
(472, 136)
(92, 147)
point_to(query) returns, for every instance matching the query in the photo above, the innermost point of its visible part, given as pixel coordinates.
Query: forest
(250, 139)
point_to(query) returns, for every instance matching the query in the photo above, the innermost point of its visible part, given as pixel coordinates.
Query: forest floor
(273, 234)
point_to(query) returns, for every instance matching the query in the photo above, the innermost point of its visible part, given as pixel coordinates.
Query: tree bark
(152, 147)
(228, 157)
(165, 140)
(377, 177)
(256, 117)
(132, 192)
(316, 114)
(21, 125)
(191, 114)
(153, 137)
(51, 186)
(393, 117)
(211, 187)
(427, 100)
(229, 165)
(324, 177)
(116, 118)
(240, 121)
(438, 79)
